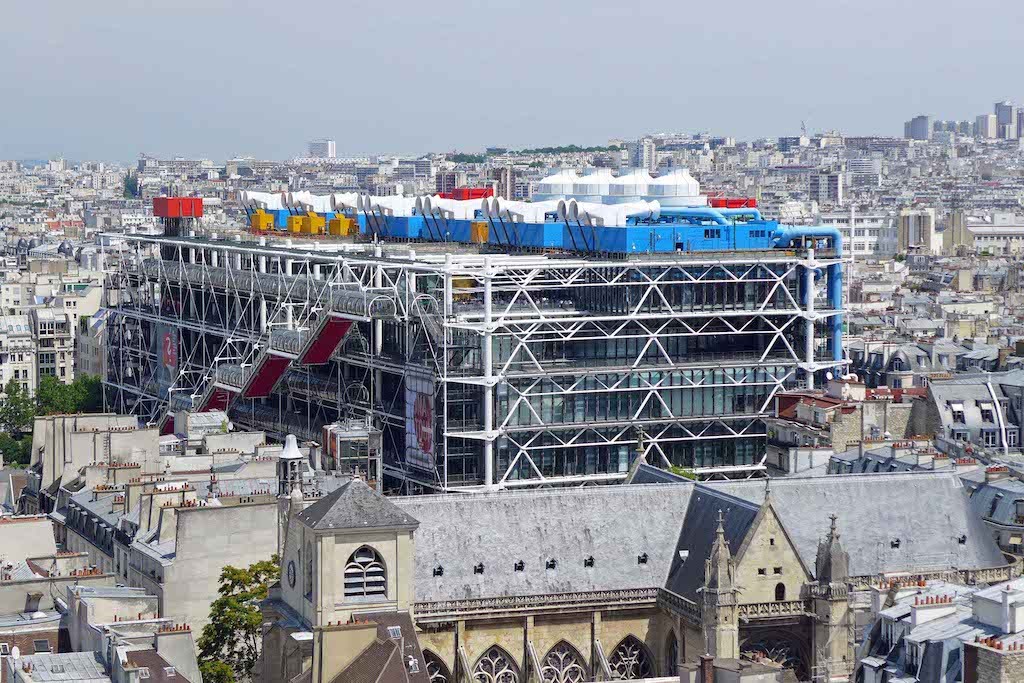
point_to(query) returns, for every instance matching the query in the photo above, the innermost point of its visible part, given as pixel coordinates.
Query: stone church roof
(891, 522)
(629, 532)
(354, 505)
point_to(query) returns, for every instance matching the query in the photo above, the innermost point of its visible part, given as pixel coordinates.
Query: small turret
(833, 563)
(289, 467)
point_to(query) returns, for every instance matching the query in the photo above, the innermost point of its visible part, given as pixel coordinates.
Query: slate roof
(613, 524)
(81, 667)
(378, 663)
(354, 505)
(649, 474)
(995, 500)
(924, 511)
(698, 534)
(157, 666)
(385, 660)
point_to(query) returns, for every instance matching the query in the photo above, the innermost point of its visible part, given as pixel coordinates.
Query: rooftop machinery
(487, 362)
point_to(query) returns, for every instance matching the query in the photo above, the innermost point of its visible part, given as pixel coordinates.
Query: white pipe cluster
(389, 206)
(588, 213)
(518, 212)
(261, 200)
(457, 209)
(606, 215)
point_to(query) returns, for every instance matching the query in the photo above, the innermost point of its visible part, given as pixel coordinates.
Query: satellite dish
(828, 376)
(15, 653)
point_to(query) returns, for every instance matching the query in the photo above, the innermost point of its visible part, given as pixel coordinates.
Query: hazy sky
(108, 79)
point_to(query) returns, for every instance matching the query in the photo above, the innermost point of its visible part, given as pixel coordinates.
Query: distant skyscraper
(916, 231)
(826, 187)
(322, 148)
(985, 126)
(792, 142)
(1006, 120)
(642, 154)
(918, 128)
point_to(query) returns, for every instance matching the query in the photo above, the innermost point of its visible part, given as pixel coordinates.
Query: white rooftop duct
(391, 206)
(307, 201)
(457, 209)
(343, 200)
(522, 212)
(262, 200)
(610, 215)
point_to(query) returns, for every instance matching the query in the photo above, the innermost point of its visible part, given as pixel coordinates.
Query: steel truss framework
(547, 370)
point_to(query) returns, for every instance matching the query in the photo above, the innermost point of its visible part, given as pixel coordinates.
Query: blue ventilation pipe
(785, 235)
(747, 211)
(696, 212)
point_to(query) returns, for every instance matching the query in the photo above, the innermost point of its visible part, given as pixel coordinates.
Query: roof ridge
(734, 500)
(543, 493)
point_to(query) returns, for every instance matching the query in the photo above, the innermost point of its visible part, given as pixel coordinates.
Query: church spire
(719, 605)
(833, 563)
(718, 573)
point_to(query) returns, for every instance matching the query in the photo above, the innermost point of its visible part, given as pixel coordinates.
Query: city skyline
(185, 90)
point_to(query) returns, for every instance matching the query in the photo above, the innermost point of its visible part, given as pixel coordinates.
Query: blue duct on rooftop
(710, 214)
(747, 211)
(785, 235)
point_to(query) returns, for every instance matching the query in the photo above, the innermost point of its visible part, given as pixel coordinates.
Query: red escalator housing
(266, 376)
(319, 350)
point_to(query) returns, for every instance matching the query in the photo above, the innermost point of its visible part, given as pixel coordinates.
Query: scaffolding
(481, 369)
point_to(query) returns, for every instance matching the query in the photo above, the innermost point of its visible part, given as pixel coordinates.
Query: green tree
(17, 410)
(15, 451)
(84, 395)
(216, 671)
(229, 645)
(131, 185)
(462, 158)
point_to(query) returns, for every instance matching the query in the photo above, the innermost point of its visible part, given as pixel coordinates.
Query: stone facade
(983, 664)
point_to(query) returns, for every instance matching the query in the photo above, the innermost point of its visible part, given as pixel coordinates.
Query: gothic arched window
(671, 654)
(437, 672)
(630, 660)
(780, 592)
(496, 666)
(563, 664)
(365, 574)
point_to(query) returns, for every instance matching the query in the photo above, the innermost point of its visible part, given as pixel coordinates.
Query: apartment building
(17, 351)
(864, 235)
